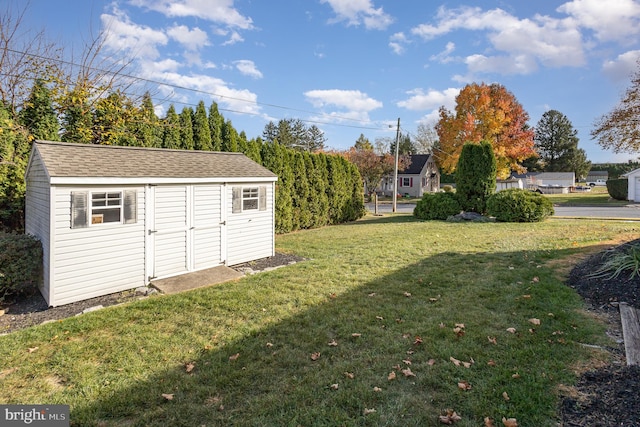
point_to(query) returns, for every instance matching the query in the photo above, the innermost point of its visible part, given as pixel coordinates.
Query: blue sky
(356, 66)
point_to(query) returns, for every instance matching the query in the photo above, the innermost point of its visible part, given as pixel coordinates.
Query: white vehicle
(598, 182)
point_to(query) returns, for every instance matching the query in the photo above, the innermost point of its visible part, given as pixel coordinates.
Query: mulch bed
(604, 397)
(608, 396)
(33, 310)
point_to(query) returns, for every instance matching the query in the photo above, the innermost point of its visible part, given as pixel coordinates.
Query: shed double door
(187, 228)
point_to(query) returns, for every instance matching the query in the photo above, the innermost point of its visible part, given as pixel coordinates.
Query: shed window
(104, 207)
(249, 199)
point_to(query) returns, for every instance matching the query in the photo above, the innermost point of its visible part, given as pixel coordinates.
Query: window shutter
(130, 206)
(262, 198)
(236, 202)
(411, 182)
(79, 209)
(399, 182)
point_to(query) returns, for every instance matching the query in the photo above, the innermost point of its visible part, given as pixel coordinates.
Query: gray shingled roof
(105, 161)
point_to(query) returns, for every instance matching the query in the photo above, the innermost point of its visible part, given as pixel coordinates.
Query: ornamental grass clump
(617, 262)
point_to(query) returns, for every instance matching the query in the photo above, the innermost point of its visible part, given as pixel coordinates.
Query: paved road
(631, 211)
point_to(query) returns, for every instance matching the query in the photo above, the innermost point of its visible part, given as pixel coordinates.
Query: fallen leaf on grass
(515, 376)
(535, 279)
(488, 422)
(417, 341)
(167, 396)
(509, 422)
(269, 344)
(356, 335)
(377, 389)
(464, 385)
(527, 296)
(407, 373)
(406, 361)
(450, 417)
(431, 362)
(333, 295)
(379, 317)
(349, 375)
(334, 386)
(189, 367)
(491, 362)
(372, 294)
(368, 411)
(333, 343)
(32, 349)
(511, 330)
(492, 340)
(315, 356)
(391, 376)
(458, 331)
(505, 396)
(460, 362)
(234, 357)
(534, 321)
(407, 294)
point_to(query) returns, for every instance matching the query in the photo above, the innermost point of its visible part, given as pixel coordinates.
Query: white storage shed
(115, 218)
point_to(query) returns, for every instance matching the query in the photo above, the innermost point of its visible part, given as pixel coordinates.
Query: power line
(212, 94)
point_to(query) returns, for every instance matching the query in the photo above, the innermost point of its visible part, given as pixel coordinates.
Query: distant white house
(115, 218)
(503, 184)
(548, 182)
(633, 178)
(422, 176)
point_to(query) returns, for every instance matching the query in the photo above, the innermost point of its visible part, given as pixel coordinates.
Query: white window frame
(405, 182)
(85, 214)
(244, 198)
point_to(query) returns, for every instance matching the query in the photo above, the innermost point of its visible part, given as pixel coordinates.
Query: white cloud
(419, 100)
(621, 68)
(353, 100)
(217, 11)
(357, 12)
(122, 35)
(444, 56)
(617, 20)
(397, 43)
(233, 39)
(191, 39)
(525, 42)
(248, 68)
(240, 100)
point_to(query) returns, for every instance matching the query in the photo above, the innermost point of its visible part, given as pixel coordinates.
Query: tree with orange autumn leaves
(490, 113)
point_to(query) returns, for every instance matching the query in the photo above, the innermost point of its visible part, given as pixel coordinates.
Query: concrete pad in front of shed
(197, 279)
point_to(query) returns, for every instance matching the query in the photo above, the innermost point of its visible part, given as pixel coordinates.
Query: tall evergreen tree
(171, 129)
(216, 122)
(363, 144)
(229, 137)
(406, 145)
(77, 120)
(476, 176)
(14, 154)
(111, 121)
(301, 192)
(201, 131)
(38, 115)
(147, 128)
(186, 129)
(556, 142)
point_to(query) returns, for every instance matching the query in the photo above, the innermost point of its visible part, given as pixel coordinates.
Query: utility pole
(395, 170)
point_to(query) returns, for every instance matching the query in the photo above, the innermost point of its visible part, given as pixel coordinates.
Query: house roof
(417, 164)
(74, 160)
(546, 175)
(598, 173)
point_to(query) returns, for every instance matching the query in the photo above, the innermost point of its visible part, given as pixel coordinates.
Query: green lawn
(598, 196)
(380, 298)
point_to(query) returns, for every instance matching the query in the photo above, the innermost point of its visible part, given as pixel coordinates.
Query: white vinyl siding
(207, 227)
(250, 233)
(170, 230)
(95, 261)
(37, 210)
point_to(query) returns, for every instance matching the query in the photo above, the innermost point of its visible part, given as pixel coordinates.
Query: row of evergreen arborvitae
(312, 189)
(475, 192)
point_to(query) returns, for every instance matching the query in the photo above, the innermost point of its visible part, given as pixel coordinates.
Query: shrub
(437, 206)
(618, 188)
(518, 205)
(476, 176)
(447, 188)
(20, 264)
